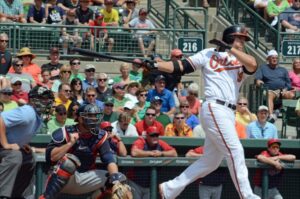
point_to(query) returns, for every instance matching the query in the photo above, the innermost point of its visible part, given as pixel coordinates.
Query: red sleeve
(199, 150)
(165, 146)
(139, 127)
(138, 144)
(264, 153)
(160, 128)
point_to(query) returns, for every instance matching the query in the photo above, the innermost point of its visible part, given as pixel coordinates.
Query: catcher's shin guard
(59, 178)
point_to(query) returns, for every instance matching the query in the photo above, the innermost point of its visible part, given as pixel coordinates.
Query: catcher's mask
(41, 98)
(235, 30)
(91, 116)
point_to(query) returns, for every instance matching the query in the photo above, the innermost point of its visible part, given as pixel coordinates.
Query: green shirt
(73, 76)
(163, 119)
(111, 118)
(53, 124)
(142, 112)
(135, 76)
(274, 9)
(10, 105)
(120, 103)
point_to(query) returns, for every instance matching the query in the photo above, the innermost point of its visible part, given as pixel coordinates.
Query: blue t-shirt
(86, 84)
(255, 130)
(21, 124)
(166, 96)
(292, 16)
(274, 79)
(192, 121)
(38, 15)
(55, 15)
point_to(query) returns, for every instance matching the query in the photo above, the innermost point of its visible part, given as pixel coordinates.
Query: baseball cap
(119, 85)
(54, 50)
(176, 52)
(109, 100)
(272, 141)
(15, 80)
(99, 15)
(272, 53)
(129, 104)
(152, 130)
(155, 99)
(263, 108)
(130, 1)
(105, 124)
(132, 84)
(89, 66)
(160, 77)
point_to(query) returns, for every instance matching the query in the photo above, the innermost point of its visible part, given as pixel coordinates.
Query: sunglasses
(119, 87)
(17, 84)
(143, 95)
(62, 114)
(91, 95)
(150, 114)
(76, 63)
(184, 107)
(242, 104)
(109, 105)
(90, 70)
(68, 91)
(179, 57)
(109, 129)
(155, 135)
(102, 80)
(66, 71)
(19, 65)
(179, 118)
(6, 41)
(193, 94)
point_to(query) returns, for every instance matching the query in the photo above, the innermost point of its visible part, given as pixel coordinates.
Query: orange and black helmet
(235, 30)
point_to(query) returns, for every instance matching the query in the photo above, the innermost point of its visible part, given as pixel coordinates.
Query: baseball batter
(224, 70)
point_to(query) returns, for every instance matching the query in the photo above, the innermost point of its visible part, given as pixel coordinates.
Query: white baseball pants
(221, 141)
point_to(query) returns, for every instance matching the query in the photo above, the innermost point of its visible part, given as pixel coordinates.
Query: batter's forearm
(168, 67)
(246, 60)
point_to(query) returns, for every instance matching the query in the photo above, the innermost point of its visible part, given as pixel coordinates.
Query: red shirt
(199, 150)
(141, 127)
(20, 95)
(274, 174)
(94, 24)
(141, 143)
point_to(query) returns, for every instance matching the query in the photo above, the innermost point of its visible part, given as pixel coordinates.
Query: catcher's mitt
(121, 191)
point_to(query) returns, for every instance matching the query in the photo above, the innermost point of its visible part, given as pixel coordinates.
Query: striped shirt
(268, 131)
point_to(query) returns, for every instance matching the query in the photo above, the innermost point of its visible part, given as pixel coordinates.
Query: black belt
(232, 106)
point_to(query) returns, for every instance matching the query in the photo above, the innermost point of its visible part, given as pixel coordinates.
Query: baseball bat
(90, 53)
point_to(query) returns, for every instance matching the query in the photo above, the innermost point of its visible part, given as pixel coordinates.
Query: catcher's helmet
(235, 30)
(41, 98)
(92, 117)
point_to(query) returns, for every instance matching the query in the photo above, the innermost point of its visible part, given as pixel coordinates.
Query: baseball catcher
(73, 151)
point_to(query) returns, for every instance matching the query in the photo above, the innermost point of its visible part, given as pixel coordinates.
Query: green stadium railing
(262, 33)
(41, 38)
(166, 168)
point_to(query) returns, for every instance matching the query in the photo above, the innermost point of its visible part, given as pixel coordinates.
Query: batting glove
(149, 64)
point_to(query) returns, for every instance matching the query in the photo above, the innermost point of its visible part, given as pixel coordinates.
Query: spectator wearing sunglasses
(108, 114)
(276, 159)
(148, 146)
(63, 95)
(192, 99)
(149, 120)
(103, 91)
(77, 91)
(179, 127)
(27, 80)
(191, 120)
(59, 119)
(156, 104)
(124, 77)
(6, 99)
(18, 95)
(89, 80)
(75, 67)
(64, 77)
(72, 111)
(243, 115)
(130, 108)
(116, 144)
(90, 98)
(119, 96)
(142, 104)
(122, 126)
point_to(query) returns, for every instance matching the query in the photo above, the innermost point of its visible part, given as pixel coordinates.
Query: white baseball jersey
(223, 74)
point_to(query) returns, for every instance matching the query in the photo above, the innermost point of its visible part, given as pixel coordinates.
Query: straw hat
(26, 51)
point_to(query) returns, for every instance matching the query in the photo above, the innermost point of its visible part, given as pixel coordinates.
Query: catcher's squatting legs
(221, 141)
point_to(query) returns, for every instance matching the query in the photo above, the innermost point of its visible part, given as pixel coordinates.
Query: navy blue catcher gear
(92, 117)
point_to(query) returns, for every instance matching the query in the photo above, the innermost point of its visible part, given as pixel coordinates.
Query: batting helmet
(235, 30)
